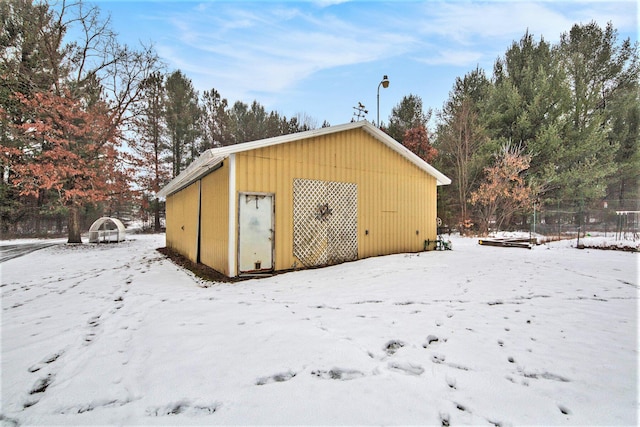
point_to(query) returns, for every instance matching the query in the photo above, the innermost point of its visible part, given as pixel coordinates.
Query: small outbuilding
(308, 199)
(107, 229)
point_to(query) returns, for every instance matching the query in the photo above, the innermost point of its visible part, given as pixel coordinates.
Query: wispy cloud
(327, 3)
(458, 58)
(274, 48)
(465, 33)
(468, 23)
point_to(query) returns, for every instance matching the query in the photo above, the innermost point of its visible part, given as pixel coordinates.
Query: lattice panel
(325, 222)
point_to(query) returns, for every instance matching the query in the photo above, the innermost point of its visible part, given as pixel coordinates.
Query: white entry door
(255, 230)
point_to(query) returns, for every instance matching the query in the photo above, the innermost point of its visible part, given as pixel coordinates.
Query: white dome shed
(107, 229)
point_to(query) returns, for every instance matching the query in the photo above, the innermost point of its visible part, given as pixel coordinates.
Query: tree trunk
(38, 215)
(74, 225)
(156, 211)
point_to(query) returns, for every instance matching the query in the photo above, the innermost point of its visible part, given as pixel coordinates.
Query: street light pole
(385, 84)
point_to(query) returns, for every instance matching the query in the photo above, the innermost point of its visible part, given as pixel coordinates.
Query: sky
(321, 58)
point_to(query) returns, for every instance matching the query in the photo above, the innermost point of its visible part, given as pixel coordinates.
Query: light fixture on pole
(385, 84)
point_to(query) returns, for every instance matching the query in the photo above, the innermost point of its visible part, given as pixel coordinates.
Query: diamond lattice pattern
(325, 222)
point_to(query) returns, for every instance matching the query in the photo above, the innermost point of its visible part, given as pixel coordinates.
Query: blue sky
(321, 58)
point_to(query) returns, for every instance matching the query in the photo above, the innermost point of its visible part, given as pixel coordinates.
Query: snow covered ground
(118, 334)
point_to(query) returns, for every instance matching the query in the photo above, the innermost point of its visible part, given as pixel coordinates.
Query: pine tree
(151, 145)
(527, 107)
(624, 186)
(598, 71)
(183, 120)
(24, 28)
(408, 114)
(216, 120)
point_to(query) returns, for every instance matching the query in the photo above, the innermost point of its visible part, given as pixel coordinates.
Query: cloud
(466, 23)
(623, 14)
(327, 3)
(469, 22)
(458, 58)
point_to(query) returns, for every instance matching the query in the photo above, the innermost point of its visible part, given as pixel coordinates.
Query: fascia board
(196, 170)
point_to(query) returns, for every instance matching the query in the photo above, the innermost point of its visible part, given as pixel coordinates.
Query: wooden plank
(505, 243)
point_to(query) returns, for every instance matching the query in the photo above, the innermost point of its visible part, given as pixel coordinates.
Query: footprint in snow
(182, 407)
(95, 404)
(437, 358)
(430, 339)
(392, 346)
(544, 375)
(564, 409)
(451, 382)
(44, 362)
(460, 407)
(277, 378)
(38, 389)
(444, 419)
(338, 374)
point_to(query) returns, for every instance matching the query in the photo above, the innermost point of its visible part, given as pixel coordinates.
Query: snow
(117, 334)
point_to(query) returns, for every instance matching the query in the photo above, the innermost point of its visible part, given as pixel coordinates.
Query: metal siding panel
(241, 167)
(284, 215)
(260, 179)
(182, 222)
(215, 220)
(170, 221)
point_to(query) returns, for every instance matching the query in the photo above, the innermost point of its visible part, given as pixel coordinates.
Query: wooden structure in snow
(509, 242)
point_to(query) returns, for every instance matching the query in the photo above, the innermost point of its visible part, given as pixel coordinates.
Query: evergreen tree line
(553, 124)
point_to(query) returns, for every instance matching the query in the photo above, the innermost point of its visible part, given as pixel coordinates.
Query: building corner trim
(232, 217)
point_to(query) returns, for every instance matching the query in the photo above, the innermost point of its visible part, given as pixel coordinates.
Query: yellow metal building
(302, 200)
